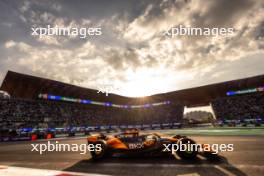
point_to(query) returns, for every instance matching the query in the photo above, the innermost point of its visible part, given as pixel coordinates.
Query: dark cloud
(223, 13)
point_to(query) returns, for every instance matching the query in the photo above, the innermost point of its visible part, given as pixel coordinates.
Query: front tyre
(186, 150)
(98, 154)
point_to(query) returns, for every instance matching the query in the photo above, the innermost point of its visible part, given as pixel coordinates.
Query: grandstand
(28, 108)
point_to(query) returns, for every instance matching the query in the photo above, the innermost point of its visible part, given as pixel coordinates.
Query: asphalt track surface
(246, 159)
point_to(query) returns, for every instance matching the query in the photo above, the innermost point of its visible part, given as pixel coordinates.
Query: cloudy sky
(132, 55)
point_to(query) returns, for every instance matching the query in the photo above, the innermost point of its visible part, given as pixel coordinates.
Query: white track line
(18, 171)
(225, 171)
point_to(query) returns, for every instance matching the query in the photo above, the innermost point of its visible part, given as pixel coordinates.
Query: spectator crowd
(46, 113)
(239, 107)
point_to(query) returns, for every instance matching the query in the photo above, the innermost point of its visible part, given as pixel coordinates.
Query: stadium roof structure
(29, 87)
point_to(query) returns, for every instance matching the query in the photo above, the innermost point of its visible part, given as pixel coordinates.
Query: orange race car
(132, 143)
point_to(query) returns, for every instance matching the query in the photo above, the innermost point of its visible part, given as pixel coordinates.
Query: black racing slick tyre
(210, 155)
(98, 154)
(186, 152)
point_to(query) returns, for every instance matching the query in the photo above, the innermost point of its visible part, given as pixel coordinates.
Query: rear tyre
(98, 154)
(186, 154)
(210, 156)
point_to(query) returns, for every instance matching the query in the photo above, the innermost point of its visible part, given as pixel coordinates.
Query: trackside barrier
(49, 133)
(49, 136)
(34, 137)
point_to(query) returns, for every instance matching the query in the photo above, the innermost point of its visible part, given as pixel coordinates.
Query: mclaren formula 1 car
(132, 143)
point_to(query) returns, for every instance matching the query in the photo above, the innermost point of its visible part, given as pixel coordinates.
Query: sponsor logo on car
(135, 145)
